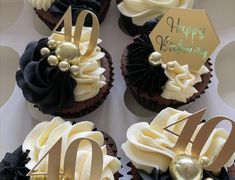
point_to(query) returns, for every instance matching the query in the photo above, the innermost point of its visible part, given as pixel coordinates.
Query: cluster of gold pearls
(155, 58)
(65, 55)
(184, 167)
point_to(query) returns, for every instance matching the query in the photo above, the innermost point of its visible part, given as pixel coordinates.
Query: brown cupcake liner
(51, 20)
(157, 103)
(85, 107)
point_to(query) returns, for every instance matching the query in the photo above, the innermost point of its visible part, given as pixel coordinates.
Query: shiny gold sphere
(52, 44)
(45, 51)
(64, 66)
(185, 167)
(74, 69)
(209, 178)
(67, 51)
(52, 60)
(155, 58)
(170, 65)
(204, 161)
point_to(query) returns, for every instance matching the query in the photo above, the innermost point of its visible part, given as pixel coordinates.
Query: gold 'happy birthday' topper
(186, 36)
(184, 138)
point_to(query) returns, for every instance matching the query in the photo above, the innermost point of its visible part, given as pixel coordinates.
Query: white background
(19, 25)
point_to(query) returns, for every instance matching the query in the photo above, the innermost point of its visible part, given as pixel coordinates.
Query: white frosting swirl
(142, 11)
(41, 4)
(90, 78)
(149, 146)
(45, 134)
(180, 85)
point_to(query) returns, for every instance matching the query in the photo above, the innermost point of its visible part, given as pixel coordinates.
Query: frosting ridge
(180, 85)
(148, 146)
(45, 134)
(142, 11)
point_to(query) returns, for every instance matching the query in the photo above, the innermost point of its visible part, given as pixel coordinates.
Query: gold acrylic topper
(186, 36)
(69, 165)
(201, 138)
(67, 18)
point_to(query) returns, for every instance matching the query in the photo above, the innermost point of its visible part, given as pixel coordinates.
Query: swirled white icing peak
(45, 134)
(41, 4)
(149, 146)
(142, 11)
(180, 85)
(90, 78)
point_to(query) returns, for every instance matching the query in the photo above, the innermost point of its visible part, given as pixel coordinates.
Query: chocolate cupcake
(150, 149)
(136, 15)
(51, 11)
(59, 79)
(16, 165)
(155, 85)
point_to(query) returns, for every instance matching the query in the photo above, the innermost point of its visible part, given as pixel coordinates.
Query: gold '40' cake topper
(186, 36)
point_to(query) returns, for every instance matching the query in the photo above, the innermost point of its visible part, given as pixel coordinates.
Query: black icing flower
(43, 85)
(12, 167)
(140, 73)
(59, 7)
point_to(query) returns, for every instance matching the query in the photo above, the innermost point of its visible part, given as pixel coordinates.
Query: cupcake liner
(14, 163)
(141, 175)
(51, 19)
(157, 103)
(85, 107)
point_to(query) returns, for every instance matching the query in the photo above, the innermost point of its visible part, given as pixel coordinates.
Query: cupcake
(44, 135)
(155, 85)
(51, 11)
(61, 77)
(150, 149)
(137, 14)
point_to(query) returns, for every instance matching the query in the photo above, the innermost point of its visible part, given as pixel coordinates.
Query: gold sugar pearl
(170, 65)
(52, 60)
(74, 69)
(155, 58)
(45, 51)
(64, 66)
(52, 44)
(184, 167)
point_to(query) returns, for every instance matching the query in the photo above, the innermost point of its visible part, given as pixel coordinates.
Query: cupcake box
(117, 112)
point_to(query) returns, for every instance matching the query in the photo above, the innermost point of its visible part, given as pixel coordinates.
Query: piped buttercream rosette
(150, 146)
(142, 11)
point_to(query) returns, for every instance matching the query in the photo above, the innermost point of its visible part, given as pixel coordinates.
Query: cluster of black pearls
(65, 56)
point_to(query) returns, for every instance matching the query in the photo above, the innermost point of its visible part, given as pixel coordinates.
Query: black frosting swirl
(59, 7)
(43, 85)
(140, 73)
(12, 167)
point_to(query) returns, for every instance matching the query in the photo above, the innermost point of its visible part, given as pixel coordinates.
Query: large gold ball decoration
(74, 70)
(185, 167)
(67, 51)
(155, 58)
(52, 44)
(64, 66)
(45, 51)
(52, 60)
